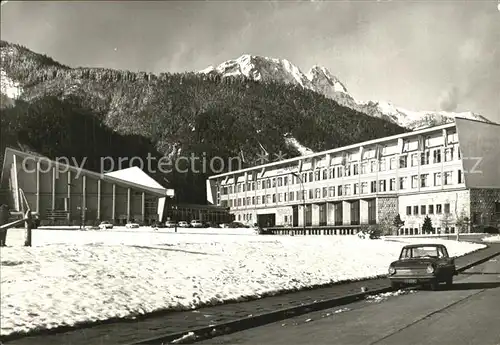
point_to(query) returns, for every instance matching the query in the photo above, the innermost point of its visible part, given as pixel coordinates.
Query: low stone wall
(319, 230)
(462, 237)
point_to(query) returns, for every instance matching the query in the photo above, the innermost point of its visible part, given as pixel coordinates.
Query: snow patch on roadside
(492, 239)
(186, 337)
(386, 295)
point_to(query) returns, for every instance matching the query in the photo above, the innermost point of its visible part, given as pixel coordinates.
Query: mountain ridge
(96, 112)
(319, 79)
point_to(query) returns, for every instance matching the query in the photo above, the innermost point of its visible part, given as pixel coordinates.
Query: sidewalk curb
(208, 332)
(256, 320)
(478, 262)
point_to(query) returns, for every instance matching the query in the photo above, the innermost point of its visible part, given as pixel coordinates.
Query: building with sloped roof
(65, 194)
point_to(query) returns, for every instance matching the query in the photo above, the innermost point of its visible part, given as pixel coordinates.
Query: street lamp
(303, 201)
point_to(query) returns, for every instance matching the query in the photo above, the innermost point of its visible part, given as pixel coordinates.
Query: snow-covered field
(72, 276)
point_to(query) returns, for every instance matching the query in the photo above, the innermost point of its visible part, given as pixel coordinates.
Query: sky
(419, 55)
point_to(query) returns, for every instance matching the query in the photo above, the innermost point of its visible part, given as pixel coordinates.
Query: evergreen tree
(427, 226)
(398, 223)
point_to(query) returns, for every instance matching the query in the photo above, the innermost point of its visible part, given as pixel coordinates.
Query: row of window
(344, 190)
(340, 171)
(247, 217)
(427, 209)
(415, 231)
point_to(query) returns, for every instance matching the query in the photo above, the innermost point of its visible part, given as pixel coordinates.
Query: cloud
(449, 99)
(471, 51)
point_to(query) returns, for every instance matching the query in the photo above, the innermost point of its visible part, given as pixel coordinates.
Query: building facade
(204, 213)
(65, 194)
(450, 173)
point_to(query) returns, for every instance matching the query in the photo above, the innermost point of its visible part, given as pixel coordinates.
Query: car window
(406, 253)
(442, 253)
(422, 252)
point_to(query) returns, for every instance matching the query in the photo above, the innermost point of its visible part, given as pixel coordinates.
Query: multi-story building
(449, 172)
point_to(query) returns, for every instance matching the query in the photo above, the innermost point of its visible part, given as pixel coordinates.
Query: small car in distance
(196, 223)
(105, 225)
(422, 264)
(210, 225)
(235, 225)
(132, 226)
(170, 224)
(158, 225)
(183, 224)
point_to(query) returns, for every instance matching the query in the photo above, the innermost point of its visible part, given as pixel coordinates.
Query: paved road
(130, 331)
(469, 313)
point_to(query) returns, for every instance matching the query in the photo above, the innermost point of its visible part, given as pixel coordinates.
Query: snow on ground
(72, 276)
(186, 337)
(492, 239)
(292, 142)
(386, 295)
(9, 87)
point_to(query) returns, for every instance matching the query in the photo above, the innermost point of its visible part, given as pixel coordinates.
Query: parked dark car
(158, 225)
(427, 264)
(237, 225)
(211, 225)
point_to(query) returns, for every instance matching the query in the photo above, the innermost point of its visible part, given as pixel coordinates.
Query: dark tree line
(86, 112)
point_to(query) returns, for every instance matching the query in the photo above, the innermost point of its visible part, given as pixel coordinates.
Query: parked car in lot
(427, 264)
(235, 225)
(132, 225)
(195, 223)
(211, 225)
(183, 224)
(105, 225)
(170, 224)
(158, 225)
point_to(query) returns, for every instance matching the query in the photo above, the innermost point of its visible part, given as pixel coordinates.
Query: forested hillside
(92, 112)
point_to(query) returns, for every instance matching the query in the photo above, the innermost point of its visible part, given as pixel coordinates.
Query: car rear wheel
(434, 285)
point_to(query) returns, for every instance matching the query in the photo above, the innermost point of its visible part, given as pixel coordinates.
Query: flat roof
(9, 152)
(339, 149)
(200, 206)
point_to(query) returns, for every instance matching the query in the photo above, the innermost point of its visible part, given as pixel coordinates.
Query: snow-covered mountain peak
(207, 70)
(322, 79)
(261, 68)
(319, 79)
